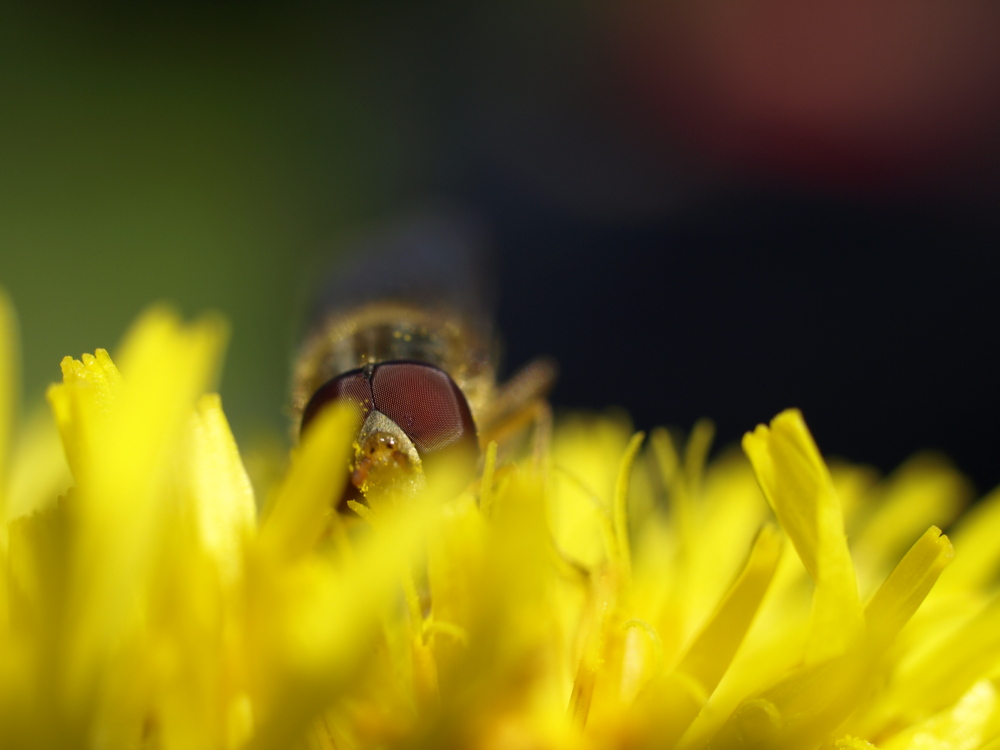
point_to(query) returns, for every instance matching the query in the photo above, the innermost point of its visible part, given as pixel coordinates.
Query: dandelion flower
(620, 593)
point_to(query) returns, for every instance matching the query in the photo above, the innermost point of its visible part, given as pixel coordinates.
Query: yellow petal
(941, 673)
(908, 585)
(798, 487)
(221, 491)
(975, 537)
(683, 479)
(583, 487)
(35, 572)
(623, 552)
(122, 442)
(9, 363)
(729, 511)
(958, 728)
(924, 491)
(853, 743)
(301, 509)
(39, 473)
(314, 625)
(455, 570)
(712, 651)
(37, 558)
(801, 710)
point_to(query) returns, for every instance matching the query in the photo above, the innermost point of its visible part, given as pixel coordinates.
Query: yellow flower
(620, 594)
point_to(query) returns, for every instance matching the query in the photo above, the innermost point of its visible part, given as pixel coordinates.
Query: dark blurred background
(700, 208)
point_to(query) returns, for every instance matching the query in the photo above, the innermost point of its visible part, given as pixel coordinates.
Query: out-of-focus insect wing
(437, 260)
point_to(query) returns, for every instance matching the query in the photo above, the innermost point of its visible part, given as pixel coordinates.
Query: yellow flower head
(621, 593)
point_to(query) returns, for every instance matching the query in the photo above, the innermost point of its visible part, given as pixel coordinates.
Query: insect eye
(352, 387)
(425, 403)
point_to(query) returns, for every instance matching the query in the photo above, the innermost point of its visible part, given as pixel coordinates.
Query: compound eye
(425, 403)
(351, 386)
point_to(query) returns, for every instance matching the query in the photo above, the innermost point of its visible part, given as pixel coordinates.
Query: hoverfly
(405, 335)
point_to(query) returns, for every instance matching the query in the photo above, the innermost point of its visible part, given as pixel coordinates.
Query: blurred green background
(180, 152)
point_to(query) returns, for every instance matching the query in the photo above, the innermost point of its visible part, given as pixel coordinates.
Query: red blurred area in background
(862, 94)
